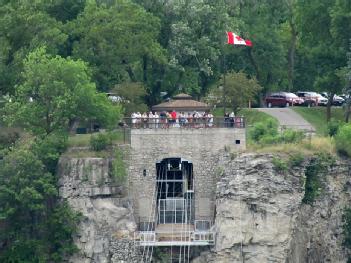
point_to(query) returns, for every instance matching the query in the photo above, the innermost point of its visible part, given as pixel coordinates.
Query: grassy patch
(252, 116)
(83, 140)
(119, 171)
(280, 165)
(87, 154)
(317, 116)
(305, 147)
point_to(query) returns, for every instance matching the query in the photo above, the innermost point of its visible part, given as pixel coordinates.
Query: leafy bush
(291, 136)
(343, 140)
(296, 159)
(100, 142)
(266, 133)
(279, 164)
(8, 137)
(119, 170)
(264, 130)
(333, 127)
(314, 173)
(50, 148)
(346, 218)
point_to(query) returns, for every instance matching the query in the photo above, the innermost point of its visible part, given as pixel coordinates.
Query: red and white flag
(234, 39)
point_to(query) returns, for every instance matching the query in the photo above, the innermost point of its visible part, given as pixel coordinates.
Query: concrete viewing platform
(175, 235)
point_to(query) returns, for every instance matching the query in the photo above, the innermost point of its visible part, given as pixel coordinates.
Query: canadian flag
(234, 39)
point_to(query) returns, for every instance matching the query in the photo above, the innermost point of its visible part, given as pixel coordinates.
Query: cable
(152, 214)
(240, 212)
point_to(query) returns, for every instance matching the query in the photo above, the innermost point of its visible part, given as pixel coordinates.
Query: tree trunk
(131, 73)
(258, 76)
(329, 104)
(347, 111)
(145, 62)
(291, 56)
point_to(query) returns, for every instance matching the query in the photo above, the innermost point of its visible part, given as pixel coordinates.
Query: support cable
(148, 256)
(240, 213)
(189, 226)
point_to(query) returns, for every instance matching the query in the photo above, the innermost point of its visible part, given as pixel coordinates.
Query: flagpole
(224, 78)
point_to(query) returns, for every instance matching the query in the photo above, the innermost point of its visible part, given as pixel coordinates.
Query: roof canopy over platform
(181, 102)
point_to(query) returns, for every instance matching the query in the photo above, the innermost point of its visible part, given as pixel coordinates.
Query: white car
(337, 100)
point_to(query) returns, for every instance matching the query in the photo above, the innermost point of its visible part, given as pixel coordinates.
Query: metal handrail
(184, 122)
(167, 236)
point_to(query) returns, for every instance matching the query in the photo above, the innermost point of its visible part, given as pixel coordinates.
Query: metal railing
(202, 232)
(190, 123)
(203, 225)
(145, 238)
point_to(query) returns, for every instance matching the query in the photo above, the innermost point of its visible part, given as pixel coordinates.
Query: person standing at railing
(196, 118)
(151, 120)
(189, 119)
(182, 119)
(138, 119)
(169, 119)
(144, 118)
(226, 119)
(157, 120)
(163, 119)
(134, 119)
(210, 119)
(231, 119)
(174, 117)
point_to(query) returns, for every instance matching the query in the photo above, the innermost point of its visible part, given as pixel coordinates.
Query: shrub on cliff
(100, 142)
(333, 127)
(315, 176)
(346, 218)
(266, 133)
(343, 140)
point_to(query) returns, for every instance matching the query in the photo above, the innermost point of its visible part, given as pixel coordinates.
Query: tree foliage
(54, 91)
(35, 226)
(237, 90)
(114, 39)
(132, 95)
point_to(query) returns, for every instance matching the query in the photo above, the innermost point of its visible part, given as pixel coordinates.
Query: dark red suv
(283, 99)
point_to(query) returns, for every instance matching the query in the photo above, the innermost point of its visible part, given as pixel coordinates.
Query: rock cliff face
(260, 216)
(317, 234)
(107, 226)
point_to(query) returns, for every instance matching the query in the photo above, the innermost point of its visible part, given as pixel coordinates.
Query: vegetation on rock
(315, 173)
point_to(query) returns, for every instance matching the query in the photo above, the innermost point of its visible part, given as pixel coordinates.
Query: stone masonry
(199, 146)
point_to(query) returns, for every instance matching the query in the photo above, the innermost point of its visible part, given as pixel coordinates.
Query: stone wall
(107, 227)
(200, 146)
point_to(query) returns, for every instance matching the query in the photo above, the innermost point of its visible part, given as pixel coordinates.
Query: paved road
(289, 118)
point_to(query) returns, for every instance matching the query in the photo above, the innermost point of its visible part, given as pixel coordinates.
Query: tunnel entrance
(172, 215)
(175, 193)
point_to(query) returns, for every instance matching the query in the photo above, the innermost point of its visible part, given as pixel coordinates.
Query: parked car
(337, 100)
(283, 99)
(312, 98)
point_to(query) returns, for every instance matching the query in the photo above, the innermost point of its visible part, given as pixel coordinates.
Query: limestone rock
(107, 228)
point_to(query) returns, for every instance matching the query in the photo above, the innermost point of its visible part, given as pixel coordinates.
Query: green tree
(238, 90)
(267, 59)
(53, 92)
(132, 95)
(25, 26)
(193, 33)
(115, 39)
(325, 46)
(35, 226)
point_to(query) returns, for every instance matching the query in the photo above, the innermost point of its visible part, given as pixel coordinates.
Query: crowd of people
(167, 119)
